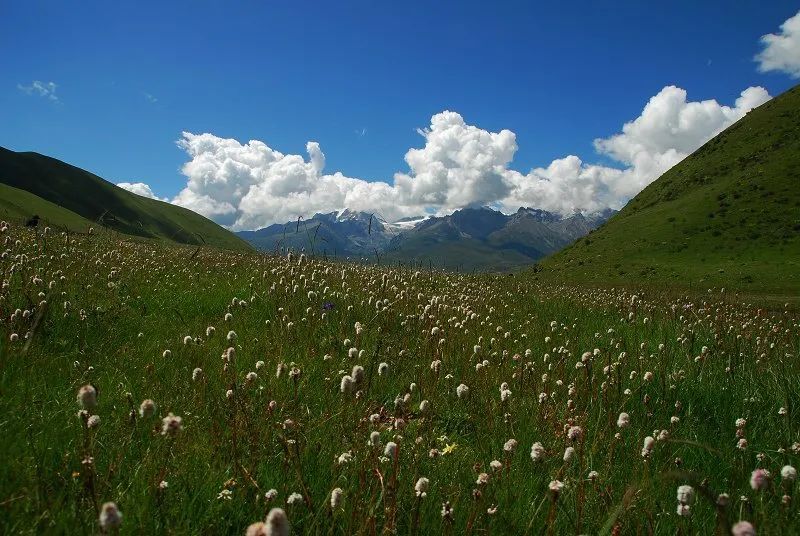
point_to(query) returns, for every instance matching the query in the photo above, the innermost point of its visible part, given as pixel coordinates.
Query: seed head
(624, 420)
(110, 516)
(336, 498)
(147, 409)
(171, 425)
(421, 487)
(277, 523)
(87, 396)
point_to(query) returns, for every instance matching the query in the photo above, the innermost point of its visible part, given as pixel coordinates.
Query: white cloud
(782, 50)
(140, 188)
(43, 89)
(251, 185)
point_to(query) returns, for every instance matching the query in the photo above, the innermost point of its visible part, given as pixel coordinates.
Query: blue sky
(357, 77)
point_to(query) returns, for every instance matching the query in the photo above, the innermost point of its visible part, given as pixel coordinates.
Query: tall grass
(102, 311)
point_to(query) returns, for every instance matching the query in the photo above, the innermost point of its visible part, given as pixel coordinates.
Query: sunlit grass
(554, 365)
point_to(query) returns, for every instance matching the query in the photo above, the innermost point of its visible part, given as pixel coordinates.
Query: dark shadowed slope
(101, 202)
(728, 215)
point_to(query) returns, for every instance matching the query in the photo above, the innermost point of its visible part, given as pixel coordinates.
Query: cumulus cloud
(42, 89)
(250, 185)
(782, 50)
(140, 188)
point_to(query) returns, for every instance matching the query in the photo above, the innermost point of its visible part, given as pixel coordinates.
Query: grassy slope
(728, 215)
(93, 198)
(16, 204)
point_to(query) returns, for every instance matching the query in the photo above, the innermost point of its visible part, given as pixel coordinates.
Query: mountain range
(469, 239)
(727, 215)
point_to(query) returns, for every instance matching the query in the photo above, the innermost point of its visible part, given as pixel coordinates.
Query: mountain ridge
(479, 238)
(728, 215)
(100, 202)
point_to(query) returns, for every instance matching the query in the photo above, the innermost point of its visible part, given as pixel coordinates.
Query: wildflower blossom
(623, 420)
(258, 528)
(147, 409)
(685, 494)
(336, 498)
(357, 374)
(171, 425)
(647, 448)
(575, 433)
(294, 498)
(788, 474)
(277, 523)
(447, 511)
(743, 528)
(346, 385)
(87, 396)
(421, 487)
(110, 516)
(537, 451)
(759, 479)
(374, 438)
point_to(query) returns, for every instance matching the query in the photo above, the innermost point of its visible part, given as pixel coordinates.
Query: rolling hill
(728, 215)
(69, 197)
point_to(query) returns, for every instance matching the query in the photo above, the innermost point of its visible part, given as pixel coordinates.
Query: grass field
(306, 377)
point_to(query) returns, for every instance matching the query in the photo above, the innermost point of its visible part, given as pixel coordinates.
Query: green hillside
(16, 204)
(728, 215)
(64, 195)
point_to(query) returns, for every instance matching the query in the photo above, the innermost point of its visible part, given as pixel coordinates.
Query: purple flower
(327, 306)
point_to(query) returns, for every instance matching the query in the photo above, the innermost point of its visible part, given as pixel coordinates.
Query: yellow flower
(449, 448)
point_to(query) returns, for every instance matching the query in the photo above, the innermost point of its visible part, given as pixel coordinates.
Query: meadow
(204, 391)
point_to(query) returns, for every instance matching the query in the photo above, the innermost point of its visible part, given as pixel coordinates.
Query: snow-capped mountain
(470, 238)
(345, 233)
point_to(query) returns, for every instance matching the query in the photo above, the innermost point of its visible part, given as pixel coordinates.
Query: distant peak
(351, 215)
